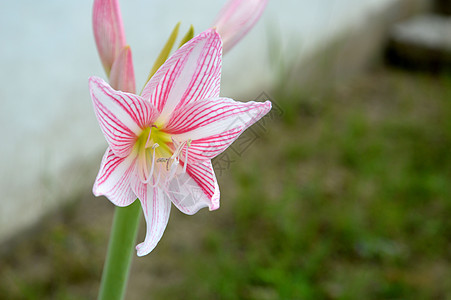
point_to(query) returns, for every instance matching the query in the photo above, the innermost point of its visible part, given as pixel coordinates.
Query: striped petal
(114, 178)
(209, 147)
(195, 189)
(156, 208)
(213, 125)
(192, 73)
(121, 116)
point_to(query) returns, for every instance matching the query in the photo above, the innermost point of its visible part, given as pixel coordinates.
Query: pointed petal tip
(268, 106)
(140, 250)
(156, 210)
(214, 34)
(213, 31)
(95, 83)
(214, 206)
(191, 72)
(94, 80)
(95, 191)
(210, 33)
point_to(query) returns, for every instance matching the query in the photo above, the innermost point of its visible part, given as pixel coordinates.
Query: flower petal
(192, 73)
(195, 189)
(121, 116)
(156, 208)
(114, 178)
(108, 31)
(122, 76)
(237, 18)
(209, 118)
(209, 147)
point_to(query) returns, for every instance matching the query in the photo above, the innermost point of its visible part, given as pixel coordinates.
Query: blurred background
(342, 192)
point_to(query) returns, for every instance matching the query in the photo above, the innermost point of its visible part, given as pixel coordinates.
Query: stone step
(422, 42)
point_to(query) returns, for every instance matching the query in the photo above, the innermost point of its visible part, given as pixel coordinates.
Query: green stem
(120, 252)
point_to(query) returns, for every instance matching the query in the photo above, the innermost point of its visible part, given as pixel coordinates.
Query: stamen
(173, 161)
(174, 156)
(158, 180)
(148, 139)
(143, 164)
(145, 175)
(167, 163)
(188, 144)
(153, 163)
(172, 170)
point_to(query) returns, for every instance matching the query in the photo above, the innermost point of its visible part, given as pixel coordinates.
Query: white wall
(49, 131)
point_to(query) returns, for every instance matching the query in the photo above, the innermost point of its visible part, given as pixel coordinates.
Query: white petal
(156, 208)
(195, 189)
(114, 178)
(192, 73)
(207, 118)
(122, 116)
(207, 148)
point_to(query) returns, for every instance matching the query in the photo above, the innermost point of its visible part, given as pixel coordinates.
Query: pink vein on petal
(122, 116)
(192, 73)
(114, 179)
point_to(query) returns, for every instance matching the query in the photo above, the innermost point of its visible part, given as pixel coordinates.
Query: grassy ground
(343, 196)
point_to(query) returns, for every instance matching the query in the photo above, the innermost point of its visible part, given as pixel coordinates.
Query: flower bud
(236, 18)
(122, 76)
(108, 31)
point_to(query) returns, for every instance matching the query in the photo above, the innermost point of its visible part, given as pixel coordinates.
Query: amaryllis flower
(161, 143)
(236, 18)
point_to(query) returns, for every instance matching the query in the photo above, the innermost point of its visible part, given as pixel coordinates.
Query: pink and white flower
(161, 143)
(236, 18)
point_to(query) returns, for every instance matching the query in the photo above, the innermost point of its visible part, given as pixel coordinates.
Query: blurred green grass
(347, 195)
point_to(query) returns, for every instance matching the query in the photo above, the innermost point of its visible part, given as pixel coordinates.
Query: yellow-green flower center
(154, 146)
(151, 136)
